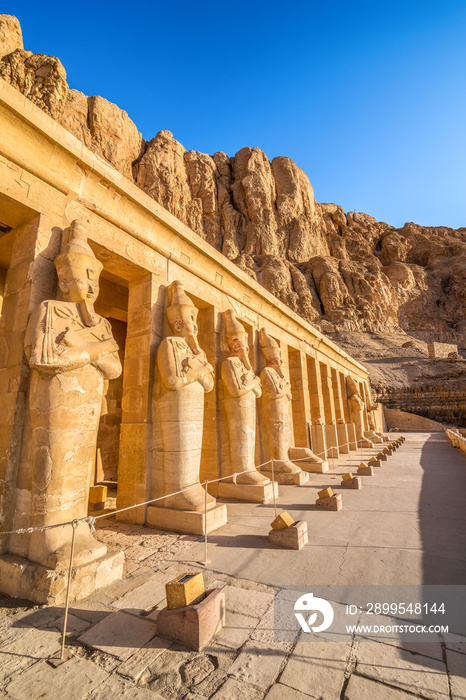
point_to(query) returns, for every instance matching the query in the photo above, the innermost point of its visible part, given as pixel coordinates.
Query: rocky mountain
(344, 272)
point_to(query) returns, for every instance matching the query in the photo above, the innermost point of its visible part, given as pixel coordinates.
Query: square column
(342, 433)
(300, 405)
(318, 435)
(329, 411)
(143, 334)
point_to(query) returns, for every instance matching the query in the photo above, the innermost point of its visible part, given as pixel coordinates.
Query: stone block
(374, 462)
(354, 483)
(21, 578)
(194, 625)
(382, 457)
(287, 479)
(365, 471)
(184, 590)
(252, 493)
(97, 495)
(347, 477)
(293, 537)
(187, 521)
(282, 521)
(325, 493)
(333, 503)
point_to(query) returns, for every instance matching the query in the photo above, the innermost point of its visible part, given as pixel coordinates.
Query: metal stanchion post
(273, 490)
(74, 525)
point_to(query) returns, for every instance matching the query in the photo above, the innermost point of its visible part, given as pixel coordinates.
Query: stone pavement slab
(143, 597)
(236, 630)
(139, 662)
(72, 680)
(235, 689)
(119, 634)
(457, 643)
(264, 632)
(395, 666)
(116, 688)
(27, 649)
(258, 664)
(360, 688)
(317, 667)
(247, 602)
(284, 692)
(456, 664)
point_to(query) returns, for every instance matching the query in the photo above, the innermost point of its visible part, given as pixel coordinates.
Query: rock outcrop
(343, 272)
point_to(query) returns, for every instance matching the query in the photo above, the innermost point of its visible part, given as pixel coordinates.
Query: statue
(71, 352)
(186, 376)
(276, 406)
(356, 408)
(241, 388)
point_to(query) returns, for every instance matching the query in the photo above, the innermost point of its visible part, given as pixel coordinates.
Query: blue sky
(368, 98)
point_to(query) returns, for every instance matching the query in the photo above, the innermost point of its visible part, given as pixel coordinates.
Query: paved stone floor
(406, 526)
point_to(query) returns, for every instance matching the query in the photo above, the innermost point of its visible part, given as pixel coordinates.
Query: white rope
(91, 520)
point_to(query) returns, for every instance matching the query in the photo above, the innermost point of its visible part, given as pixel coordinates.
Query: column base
(313, 467)
(286, 478)
(22, 578)
(190, 522)
(252, 493)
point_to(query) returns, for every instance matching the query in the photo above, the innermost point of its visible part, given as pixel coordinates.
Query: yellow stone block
(385, 450)
(282, 521)
(373, 459)
(380, 454)
(347, 477)
(325, 493)
(97, 494)
(184, 590)
(363, 465)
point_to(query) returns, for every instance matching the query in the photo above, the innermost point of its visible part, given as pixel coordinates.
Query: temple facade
(142, 430)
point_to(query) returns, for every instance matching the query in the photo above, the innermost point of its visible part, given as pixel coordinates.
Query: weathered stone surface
(317, 666)
(11, 37)
(247, 602)
(258, 664)
(119, 634)
(114, 687)
(41, 78)
(236, 630)
(73, 680)
(139, 662)
(397, 667)
(235, 689)
(360, 688)
(456, 664)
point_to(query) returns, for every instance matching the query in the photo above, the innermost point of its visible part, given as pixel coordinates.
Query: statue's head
(181, 313)
(270, 349)
(78, 271)
(236, 335)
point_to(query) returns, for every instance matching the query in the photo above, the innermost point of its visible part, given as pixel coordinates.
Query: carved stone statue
(356, 407)
(186, 376)
(241, 388)
(71, 352)
(276, 407)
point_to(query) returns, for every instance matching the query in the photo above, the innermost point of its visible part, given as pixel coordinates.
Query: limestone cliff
(343, 272)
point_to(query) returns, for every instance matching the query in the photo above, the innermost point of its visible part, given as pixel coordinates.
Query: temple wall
(47, 179)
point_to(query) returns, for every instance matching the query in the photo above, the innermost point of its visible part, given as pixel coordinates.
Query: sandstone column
(318, 436)
(185, 376)
(329, 411)
(241, 387)
(143, 331)
(342, 433)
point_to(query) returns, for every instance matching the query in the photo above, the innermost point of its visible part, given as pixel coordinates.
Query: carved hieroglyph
(241, 389)
(276, 406)
(71, 352)
(186, 376)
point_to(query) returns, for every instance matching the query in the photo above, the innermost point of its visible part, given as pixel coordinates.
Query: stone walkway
(407, 525)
